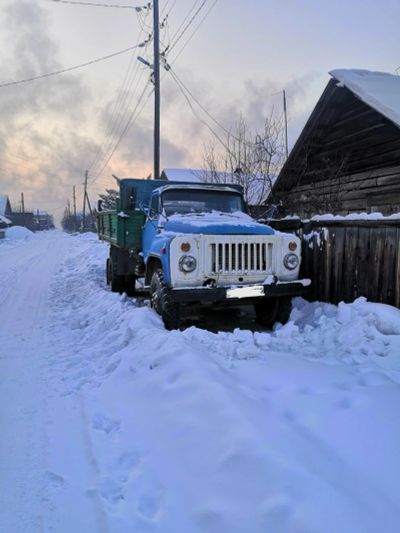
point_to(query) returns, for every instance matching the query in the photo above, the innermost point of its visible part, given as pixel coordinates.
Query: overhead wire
(128, 125)
(193, 7)
(216, 135)
(194, 32)
(117, 109)
(115, 132)
(69, 69)
(122, 104)
(96, 4)
(177, 39)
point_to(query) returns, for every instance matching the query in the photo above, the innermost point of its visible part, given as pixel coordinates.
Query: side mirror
(99, 205)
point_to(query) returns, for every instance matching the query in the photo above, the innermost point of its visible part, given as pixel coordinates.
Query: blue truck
(194, 244)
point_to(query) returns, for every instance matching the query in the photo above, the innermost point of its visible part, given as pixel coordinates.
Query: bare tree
(250, 159)
(108, 199)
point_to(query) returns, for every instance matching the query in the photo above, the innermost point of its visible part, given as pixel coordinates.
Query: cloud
(45, 139)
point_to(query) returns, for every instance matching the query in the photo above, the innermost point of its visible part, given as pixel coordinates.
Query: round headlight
(187, 263)
(291, 261)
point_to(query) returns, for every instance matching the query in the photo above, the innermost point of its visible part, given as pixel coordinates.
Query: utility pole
(74, 198)
(23, 208)
(156, 74)
(84, 202)
(285, 115)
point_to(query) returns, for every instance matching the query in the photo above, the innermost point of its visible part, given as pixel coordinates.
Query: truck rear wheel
(129, 284)
(117, 281)
(161, 302)
(273, 310)
(108, 279)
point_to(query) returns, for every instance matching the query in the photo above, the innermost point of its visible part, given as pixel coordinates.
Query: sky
(236, 63)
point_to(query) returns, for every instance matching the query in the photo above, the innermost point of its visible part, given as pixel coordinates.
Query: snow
(184, 174)
(215, 217)
(380, 90)
(5, 220)
(356, 216)
(110, 423)
(16, 233)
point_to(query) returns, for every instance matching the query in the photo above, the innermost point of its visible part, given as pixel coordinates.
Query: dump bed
(122, 227)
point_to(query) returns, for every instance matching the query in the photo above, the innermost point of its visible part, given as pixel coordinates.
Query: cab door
(151, 224)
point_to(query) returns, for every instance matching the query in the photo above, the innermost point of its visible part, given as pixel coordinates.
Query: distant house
(43, 221)
(347, 158)
(25, 219)
(5, 212)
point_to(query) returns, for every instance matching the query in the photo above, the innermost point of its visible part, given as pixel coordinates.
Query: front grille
(240, 258)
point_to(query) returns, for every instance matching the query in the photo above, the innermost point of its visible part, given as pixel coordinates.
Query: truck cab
(200, 247)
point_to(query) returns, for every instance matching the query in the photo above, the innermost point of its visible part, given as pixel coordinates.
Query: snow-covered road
(110, 423)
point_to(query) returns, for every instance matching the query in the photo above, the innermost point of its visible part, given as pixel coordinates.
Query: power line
(195, 113)
(121, 106)
(62, 71)
(129, 124)
(117, 109)
(195, 31)
(115, 130)
(185, 19)
(95, 4)
(229, 133)
(187, 25)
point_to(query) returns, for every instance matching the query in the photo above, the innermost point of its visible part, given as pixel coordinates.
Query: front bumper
(242, 294)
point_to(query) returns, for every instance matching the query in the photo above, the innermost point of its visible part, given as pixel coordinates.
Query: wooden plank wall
(347, 259)
(374, 190)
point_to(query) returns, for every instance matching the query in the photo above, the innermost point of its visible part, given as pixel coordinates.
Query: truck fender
(153, 263)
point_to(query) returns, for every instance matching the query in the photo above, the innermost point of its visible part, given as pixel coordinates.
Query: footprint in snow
(111, 491)
(101, 422)
(149, 505)
(126, 465)
(53, 480)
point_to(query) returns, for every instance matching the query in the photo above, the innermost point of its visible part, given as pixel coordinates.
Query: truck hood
(216, 223)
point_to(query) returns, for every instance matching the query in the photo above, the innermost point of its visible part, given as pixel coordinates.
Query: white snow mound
(17, 233)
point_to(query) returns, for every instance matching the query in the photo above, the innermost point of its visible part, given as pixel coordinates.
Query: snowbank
(192, 431)
(16, 233)
(291, 430)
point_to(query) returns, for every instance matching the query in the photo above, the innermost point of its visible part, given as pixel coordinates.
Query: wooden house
(5, 212)
(347, 158)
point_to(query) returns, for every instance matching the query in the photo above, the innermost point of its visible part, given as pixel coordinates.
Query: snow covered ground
(110, 423)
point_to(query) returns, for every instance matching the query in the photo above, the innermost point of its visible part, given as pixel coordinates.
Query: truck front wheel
(161, 302)
(273, 310)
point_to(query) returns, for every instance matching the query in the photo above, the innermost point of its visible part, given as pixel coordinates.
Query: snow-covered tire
(273, 310)
(161, 302)
(117, 281)
(285, 308)
(267, 311)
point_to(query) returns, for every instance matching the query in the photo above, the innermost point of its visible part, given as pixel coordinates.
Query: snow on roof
(380, 90)
(184, 174)
(3, 203)
(5, 220)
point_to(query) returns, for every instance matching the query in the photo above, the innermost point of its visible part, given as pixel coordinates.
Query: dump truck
(195, 246)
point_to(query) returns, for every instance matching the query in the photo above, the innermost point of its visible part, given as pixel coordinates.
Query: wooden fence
(346, 259)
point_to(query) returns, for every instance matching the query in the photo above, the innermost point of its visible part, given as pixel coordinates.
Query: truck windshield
(200, 201)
